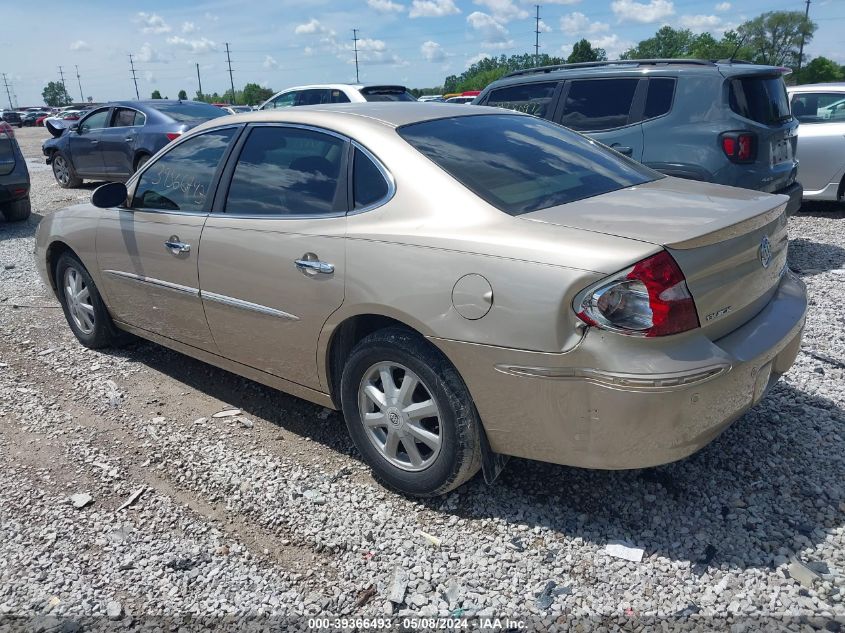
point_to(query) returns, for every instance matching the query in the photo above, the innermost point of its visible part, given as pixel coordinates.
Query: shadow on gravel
(830, 210)
(769, 486)
(811, 258)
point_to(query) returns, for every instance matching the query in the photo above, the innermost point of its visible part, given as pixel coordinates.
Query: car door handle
(94, 141)
(176, 247)
(129, 139)
(316, 266)
(622, 149)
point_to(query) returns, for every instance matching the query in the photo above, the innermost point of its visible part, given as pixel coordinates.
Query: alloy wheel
(61, 169)
(78, 299)
(400, 416)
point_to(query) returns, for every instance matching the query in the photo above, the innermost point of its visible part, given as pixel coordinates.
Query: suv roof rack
(617, 62)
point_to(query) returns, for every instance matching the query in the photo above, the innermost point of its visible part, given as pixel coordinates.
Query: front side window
(528, 98)
(521, 164)
(368, 183)
(815, 107)
(95, 121)
(598, 104)
(285, 100)
(180, 180)
(286, 171)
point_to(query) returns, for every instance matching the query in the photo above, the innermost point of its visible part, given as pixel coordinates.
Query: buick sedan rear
(462, 283)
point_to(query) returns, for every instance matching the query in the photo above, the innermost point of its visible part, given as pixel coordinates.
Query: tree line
(56, 95)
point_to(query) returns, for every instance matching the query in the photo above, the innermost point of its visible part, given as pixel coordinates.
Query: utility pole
(355, 44)
(8, 92)
(199, 81)
(134, 78)
(62, 75)
(79, 81)
(537, 38)
(231, 81)
(801, 50)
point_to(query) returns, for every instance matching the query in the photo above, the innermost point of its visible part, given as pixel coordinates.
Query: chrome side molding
(248, 305)
(159, 283)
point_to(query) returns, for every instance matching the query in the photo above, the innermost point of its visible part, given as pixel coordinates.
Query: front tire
(83, 307)
(410, 414)
(64, 172)
(17, 210)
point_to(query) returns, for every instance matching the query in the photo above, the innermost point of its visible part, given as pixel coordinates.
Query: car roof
(836, 86)
(378, 113)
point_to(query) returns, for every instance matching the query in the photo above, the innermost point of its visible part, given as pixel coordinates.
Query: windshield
(762, 99)
(520, 163)
(189, 111)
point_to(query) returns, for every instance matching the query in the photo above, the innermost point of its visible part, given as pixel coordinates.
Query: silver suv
(724, 122)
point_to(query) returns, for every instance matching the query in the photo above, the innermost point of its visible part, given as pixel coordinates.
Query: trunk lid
(719, 236)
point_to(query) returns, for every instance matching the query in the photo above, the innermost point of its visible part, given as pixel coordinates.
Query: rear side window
(314, 96)
(183, 111)
(761, 99)
(180, 180)
(598, 104)
(286, 171)
(127, 117)
(520, 163)
(338, 96)
(528, 98)
(368, 183)
(814, 107)
(659, 99)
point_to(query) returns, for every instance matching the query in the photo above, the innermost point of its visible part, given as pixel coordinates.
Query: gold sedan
(465, 283)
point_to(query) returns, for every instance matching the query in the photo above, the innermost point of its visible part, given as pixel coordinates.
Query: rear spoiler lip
(744, 226)
(385, 88)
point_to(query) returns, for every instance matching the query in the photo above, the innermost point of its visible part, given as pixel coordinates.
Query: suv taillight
(739, 147)
(649, 299)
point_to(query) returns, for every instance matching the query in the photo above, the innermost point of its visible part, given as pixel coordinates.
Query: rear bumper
(13, 191)
(664, 401)
(796, 193)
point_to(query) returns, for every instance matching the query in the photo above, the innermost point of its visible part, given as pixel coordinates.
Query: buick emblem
(393, 418)
(765, 252)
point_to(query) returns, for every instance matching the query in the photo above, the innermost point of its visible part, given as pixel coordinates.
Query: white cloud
(211, 17)
(645, 13)
(148, 54)
(503, 11)
(493, 34)
(385, 6)
(80, 45)
(270, 62)
(477, 58)
(612, 45)
(543, 27)
(200, 45)
(152, 23)
(312, 26)
(723, 6)
(189, 27)
(566, 50)
(150, 77)
(579, 24)
(432, 51)
(701, 23)
(368, 44)
(433, 8)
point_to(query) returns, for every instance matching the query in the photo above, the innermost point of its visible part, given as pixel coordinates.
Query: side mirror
(110, 195)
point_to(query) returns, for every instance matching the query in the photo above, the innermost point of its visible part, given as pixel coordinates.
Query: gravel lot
(271, 513)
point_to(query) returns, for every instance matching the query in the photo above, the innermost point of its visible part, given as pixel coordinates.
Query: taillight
(649, 299)
(739, 147)
(172, 136)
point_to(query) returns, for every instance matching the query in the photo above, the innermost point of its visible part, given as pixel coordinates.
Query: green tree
(254, 94)
(55, 95)
(583, 51)
(183, 96)
(730, 46)
(776, 36)
(489, 69)
(820, 70)
(667, 43)
(156, 95)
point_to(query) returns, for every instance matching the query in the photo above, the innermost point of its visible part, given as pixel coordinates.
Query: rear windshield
(520, 163)
(387, 93)
(189, 111)
(761, 99)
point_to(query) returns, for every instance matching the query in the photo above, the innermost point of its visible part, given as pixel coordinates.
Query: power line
(199, 81)
(537, 38)
(134, 78)
(801, 49)
(79, 81)
(8, 93)
(231, 80)
(355, 44)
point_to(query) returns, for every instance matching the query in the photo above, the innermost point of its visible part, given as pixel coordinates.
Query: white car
(464, 100)
(63, 119)
(335, 93)
(820, 108)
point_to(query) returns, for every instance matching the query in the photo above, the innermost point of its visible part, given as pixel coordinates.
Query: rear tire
(141, 161)
(64, 172)
(423, 442)
(84, 309)
(17, 210)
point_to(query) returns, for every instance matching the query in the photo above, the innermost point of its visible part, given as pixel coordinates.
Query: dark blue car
(112, 141)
